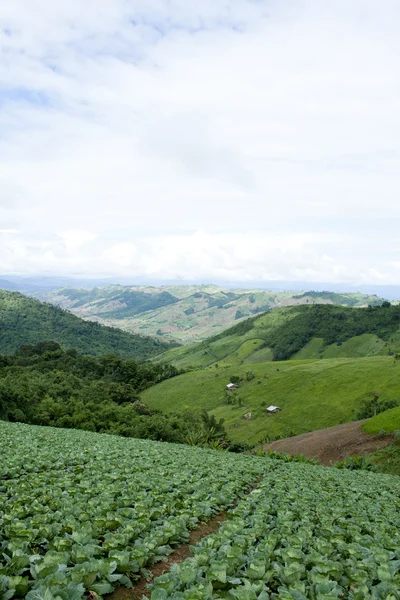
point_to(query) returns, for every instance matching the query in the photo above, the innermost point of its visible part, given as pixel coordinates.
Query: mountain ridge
(26, 320)
(186, 313)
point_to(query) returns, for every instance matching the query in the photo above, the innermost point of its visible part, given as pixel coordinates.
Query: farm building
(273, 409)
(231, 386)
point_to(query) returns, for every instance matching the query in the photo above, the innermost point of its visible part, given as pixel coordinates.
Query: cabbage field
(83, 513)
(306, 532)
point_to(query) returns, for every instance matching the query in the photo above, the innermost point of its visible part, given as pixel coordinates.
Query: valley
(146, 477)
(186, 313)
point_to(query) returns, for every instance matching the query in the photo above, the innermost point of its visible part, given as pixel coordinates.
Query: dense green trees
(45, 385)
(335, 324)
(372, 406)
(25, 320)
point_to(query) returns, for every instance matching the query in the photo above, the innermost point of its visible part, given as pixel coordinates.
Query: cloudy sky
(229, 140)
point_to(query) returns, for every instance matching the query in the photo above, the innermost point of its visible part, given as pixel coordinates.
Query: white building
(231, 386)
(273, 409)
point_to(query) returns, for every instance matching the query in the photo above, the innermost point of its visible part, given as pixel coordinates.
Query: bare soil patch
(332, 444)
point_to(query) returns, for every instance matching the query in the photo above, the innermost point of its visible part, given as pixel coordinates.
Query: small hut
(231, 386)
(273, 409)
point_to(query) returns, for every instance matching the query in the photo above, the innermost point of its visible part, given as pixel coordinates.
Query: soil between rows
(140, 589)
(328, 445)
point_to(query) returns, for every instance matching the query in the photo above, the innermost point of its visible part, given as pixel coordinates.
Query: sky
(221, 140)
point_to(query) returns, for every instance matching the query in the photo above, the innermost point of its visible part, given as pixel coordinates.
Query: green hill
(388, 421)
(27, 321)
(386, 460)
(300, 332)
(312, 394)
(187, 313)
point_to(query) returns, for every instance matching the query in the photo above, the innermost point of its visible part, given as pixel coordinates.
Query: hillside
(27, 321)
(85, 513)
(312, 394)
(301, 332)
(186, 313)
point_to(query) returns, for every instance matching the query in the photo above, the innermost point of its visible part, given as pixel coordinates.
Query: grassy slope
(283, 327)
(388, 459)
(227, 346)
(27, 321)
(388, 420)
(185, 313)
(312, 394)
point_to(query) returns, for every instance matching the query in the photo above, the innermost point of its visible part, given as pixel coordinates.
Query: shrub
(372, 406)
(355, 463)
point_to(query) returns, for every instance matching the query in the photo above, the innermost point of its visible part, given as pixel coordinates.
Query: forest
(43, 384)
(25, 320)
(333, 324)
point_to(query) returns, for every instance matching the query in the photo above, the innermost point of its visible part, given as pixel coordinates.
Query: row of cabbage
(82, 512)
(306, 532)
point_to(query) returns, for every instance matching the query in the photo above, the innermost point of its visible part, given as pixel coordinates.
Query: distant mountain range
(186, 313)
(389, 292)
(25, 320)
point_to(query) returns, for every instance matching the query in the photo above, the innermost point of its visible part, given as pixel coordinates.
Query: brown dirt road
(332, 444)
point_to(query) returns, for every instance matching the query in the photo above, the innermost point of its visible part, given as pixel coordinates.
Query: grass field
(313, 394)
(82, 513)
(388, 421)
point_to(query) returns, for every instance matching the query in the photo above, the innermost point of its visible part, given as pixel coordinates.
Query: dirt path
(335, 443)
(140, 589)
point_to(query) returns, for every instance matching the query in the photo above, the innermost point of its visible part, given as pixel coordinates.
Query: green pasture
(312, 394)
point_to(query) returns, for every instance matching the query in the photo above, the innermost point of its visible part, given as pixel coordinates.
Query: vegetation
(300, 332)
(352, 300)
(306, 532)
(372, 406)
(312, 394)
(27, 321)
(82, 513)
(333, 325)
(388, 421)
(187, 313)
(45, 385)
(387, 460)
(355, 463)
(118, 301)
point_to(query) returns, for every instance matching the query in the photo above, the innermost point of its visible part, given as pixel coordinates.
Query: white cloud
(229, 257)
(128, 127)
